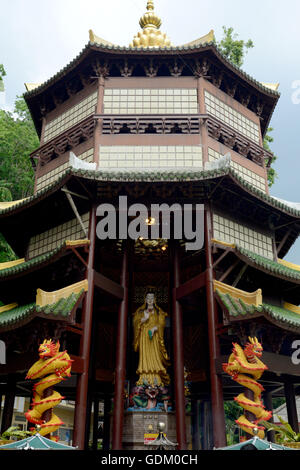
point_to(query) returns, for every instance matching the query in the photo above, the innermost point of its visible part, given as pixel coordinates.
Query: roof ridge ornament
(151, 36)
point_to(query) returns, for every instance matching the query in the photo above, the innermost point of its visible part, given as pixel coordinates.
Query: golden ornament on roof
(151, 36)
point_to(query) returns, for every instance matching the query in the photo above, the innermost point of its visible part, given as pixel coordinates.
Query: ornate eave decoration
(150, 36)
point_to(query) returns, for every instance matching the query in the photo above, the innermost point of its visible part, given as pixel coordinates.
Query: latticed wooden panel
(157, 281)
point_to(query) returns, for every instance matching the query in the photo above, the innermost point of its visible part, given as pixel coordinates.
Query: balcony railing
(154, 124)
(65, 141)
(150, 124)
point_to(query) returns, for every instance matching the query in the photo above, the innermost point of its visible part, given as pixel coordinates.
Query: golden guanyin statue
(149, 322)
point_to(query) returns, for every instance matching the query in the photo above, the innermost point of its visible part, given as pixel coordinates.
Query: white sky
(39, 37)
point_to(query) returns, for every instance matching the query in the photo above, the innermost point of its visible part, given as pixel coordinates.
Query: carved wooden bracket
(218, 78)
(201, 68)
(151, 69)
(175, 69)
(101, 69)
(126, 70)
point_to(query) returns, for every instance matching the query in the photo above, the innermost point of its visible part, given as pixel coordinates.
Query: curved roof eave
(239, 311)
(146, 51)
(266, 265)
(152, 177)
(38, 262)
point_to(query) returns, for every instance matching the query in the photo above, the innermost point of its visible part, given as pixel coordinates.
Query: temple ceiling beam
(109, 286)
(191, 286)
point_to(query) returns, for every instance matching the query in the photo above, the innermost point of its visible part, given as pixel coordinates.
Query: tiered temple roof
(51, 283)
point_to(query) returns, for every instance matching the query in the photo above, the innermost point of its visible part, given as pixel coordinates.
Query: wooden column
(203, 126)
(120, 370)
(250, 416)
(106, 424)
(218, 417)
(95, 422)
(196, 424)
(206, 425)
(291, 405)
(47, 415)
(0, 406)
(268, 402)
(98, 125)
(178, 355)
(8, 408)
(85, 344)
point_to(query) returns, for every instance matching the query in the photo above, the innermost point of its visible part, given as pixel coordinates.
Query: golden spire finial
(151, 36)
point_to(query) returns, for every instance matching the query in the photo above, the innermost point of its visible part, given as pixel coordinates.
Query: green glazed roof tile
(19, 268)
(268, 264)
(156, 176)
(238, 310)
(172, 49)
(36, 442)
(61, 310)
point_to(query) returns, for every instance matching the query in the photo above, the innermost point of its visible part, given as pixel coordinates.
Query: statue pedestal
(136, 424)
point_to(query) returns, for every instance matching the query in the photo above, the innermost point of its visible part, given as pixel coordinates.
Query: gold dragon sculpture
(52, 367)
(245, 368)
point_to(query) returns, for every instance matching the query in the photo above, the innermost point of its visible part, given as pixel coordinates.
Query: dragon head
(253, 347)
(48, 348)
(151, 392)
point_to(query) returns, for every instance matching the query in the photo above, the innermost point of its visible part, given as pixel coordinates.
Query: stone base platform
(137, 423)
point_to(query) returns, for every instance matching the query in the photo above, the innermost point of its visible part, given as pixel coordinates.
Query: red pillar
(218, 417)
(85, 345)
(289, 390)
(8, 408)
(120, 371)
(178, 357)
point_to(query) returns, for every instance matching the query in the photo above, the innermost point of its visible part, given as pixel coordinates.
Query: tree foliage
(18, 139)
(272, 174)
(284, 432)
(235, 50)
(15, 433)
(6, 252)
(2, 74)
(232, 412)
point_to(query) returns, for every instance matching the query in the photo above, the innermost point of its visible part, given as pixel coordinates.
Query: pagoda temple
(147, 322)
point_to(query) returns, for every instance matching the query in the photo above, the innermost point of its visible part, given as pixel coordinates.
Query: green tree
(18, 139)
(5, 194)
(2, 74)
(6, 252)
(16, 433)
(272, 174)
(232, 412)
(235, 50)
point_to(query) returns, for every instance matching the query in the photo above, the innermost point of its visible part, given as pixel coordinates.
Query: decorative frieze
(66, 141)
(177, 124)
(236, 141)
